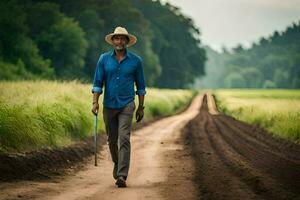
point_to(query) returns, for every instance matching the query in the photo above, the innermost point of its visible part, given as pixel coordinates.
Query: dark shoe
(121, 182)
(115, 171)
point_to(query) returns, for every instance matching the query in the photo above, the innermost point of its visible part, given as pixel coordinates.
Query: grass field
(51, 114)
(276, 110)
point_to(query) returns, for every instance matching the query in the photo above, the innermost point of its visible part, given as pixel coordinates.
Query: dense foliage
(273, 62)
(57, 39)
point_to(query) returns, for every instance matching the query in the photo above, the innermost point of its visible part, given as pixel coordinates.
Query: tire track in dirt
(236, 161)
(279, 165)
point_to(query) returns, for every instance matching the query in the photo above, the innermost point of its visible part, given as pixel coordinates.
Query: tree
(64, 43)
(281, 78)
(269, 84)
(91, 23)
(16, 71)
(180, 53)
(235, 80)
(16, 46)
(253, 77)
(69, 37)
(274, 61)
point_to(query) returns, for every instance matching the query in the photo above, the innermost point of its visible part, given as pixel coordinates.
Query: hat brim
(132, 39)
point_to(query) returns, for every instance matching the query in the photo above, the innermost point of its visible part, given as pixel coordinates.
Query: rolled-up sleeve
(140, 79)
(98, 77)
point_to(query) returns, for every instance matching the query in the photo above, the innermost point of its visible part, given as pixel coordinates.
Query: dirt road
(198, 154)
(152, 162)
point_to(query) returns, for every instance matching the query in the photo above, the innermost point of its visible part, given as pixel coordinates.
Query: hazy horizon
(232, 22)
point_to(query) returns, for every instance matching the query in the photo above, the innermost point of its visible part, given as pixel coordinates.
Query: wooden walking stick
(95, 137)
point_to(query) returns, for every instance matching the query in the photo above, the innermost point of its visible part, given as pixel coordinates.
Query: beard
(119, 47)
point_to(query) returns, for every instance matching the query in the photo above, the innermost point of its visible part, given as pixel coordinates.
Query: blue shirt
(118, 79)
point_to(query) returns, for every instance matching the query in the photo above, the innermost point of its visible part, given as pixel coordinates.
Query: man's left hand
(139, 113)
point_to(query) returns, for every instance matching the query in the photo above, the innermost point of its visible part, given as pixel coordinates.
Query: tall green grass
(37, 114)
(163, 102)
(276, 110)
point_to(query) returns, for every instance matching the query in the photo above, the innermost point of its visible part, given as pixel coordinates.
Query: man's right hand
(95, 108)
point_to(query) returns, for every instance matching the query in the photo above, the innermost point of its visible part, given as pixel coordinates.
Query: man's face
(120, 42)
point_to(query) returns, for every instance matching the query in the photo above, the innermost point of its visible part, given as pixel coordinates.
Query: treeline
(273, 62)
(57, 39)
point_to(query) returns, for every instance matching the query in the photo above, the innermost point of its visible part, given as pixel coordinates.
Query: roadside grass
(39, 114)
(276, 110)
(164, 102)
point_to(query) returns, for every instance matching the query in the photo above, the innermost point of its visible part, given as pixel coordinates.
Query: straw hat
(121, 31)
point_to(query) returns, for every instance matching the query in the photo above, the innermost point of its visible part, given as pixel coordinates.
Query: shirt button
(117, 77)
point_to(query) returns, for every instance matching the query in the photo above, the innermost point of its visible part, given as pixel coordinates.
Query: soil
(235, 160)
(49, 162)
(153, 173)
(46, 163)
(197, 154)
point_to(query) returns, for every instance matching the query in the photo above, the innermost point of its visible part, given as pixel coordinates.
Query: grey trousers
(118, 127)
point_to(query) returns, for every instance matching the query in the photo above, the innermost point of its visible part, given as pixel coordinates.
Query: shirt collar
(127, 54)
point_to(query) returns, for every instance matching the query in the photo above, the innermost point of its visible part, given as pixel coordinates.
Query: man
(117, 71)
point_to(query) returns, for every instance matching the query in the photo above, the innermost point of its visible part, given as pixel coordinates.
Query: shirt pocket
(110, 66)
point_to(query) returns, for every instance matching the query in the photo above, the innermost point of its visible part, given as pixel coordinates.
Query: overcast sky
(230, 22)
